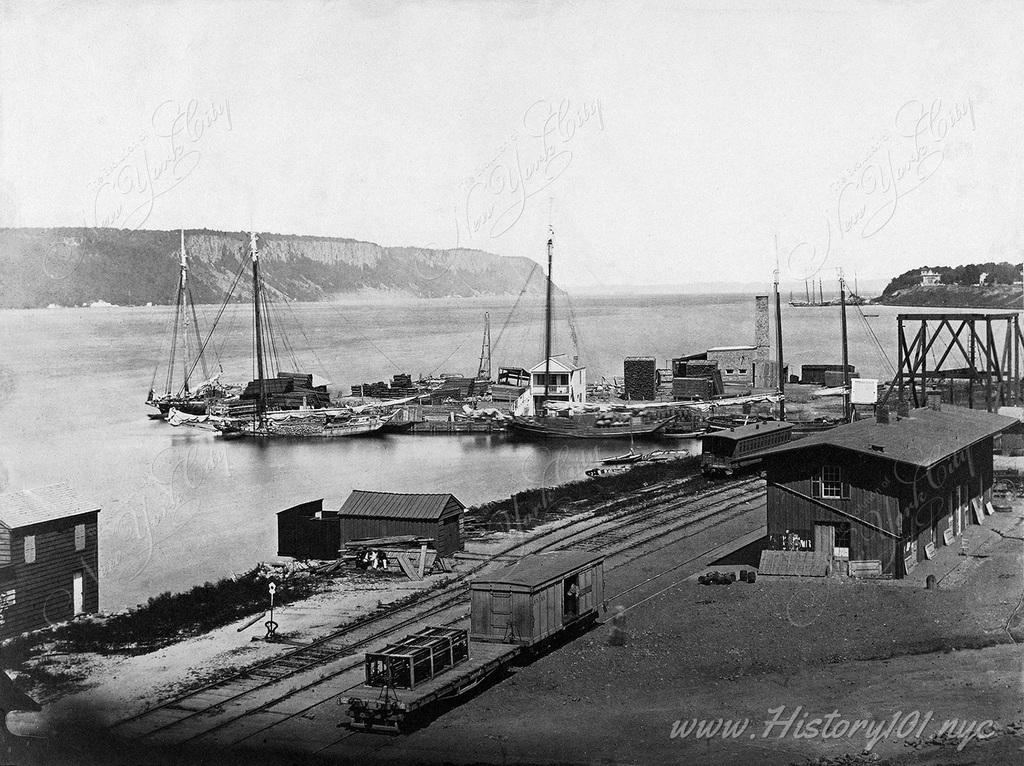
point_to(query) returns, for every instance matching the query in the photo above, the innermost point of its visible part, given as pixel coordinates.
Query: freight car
(515, 612)
(727, 452)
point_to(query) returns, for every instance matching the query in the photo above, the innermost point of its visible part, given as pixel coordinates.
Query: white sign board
(863, 390)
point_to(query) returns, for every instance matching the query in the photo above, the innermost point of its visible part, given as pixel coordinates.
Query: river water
(181, 506)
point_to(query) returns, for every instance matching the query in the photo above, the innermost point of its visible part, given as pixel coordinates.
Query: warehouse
(49, 557)
(366, 515)
(876, 496)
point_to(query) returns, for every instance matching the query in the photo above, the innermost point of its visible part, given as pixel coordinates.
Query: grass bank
(527, 509)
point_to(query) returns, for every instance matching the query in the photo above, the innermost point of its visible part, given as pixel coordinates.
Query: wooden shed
(879, 495)
(49, 557)
(307, 531)
(389, 514)
(537, 597)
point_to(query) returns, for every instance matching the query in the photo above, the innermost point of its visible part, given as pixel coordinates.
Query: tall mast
(183, 292)
(807, 291)
(778, 336)
(846, 355)
(261, 401)
(547, 317)
(484, 371)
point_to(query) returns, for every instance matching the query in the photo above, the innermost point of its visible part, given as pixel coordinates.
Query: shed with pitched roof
(369, 515)
(49, 558)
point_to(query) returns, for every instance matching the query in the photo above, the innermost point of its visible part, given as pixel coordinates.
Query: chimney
(902, 409)
(761, 328)
(935, 399)
(882, 415)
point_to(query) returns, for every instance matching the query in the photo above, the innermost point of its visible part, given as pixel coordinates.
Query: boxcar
(541, 595)
(732, 450)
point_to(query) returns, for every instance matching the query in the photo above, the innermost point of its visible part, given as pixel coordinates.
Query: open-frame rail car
(731, 451)
(515, 612)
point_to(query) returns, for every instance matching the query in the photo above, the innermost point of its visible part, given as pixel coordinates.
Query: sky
(664, 142)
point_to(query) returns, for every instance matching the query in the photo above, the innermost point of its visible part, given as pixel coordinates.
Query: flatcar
(730, 451)
(515, 611)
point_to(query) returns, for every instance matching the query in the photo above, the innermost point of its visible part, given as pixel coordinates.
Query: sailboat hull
(571, 428)
(303, 424)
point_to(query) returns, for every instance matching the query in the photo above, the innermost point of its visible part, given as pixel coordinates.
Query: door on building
(78, 592)
(824, 538)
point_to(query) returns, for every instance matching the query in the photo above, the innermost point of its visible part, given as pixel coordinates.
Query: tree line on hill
(970, 274)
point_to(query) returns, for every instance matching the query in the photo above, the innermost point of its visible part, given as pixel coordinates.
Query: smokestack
(935, 399)
(882, 415)
(761, 328)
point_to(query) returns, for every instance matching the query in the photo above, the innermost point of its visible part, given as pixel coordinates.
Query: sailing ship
(853, 299)
(186, 331)
(303, 415)
(626, 422)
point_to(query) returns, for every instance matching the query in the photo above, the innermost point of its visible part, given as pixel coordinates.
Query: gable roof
(751, 429)
(393, 505)
(557, 365)
(537, 569)
(35, 506)
(922, 439)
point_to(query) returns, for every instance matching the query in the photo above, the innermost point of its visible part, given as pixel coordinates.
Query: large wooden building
(387, 514)
(49, 558)
(877, 496)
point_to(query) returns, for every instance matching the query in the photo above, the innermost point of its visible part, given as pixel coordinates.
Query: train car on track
(728, 452)
(515, 611)
(538, 597)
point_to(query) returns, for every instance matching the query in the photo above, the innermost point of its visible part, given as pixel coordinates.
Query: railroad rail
(204, 711)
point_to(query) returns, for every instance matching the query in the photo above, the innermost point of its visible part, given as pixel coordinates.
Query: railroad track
(626, 526)
(735, 500)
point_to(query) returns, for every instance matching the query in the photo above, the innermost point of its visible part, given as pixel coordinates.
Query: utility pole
(846, 354)
(547, 314)
(778, 335)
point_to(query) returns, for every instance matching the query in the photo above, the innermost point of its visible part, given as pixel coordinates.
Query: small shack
(367, 515)
(537, 597)
(49, 557)
(307, 531)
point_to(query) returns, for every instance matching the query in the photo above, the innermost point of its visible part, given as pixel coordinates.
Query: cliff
(72, 266)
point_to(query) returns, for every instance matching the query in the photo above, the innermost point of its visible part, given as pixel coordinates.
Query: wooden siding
(532, 616)
(445, 531)
(932, 502)
(873, 503)
(912, 502)
(302, 535)
(43, 589)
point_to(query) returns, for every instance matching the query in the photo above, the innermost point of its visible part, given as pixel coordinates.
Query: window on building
(829, 484)
(30, 548)
(79, 537)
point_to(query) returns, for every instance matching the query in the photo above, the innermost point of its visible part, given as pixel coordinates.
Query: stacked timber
(814, 374)
(640, 376)
(288, 391)
(697, 379)
(693, 388)
(834, 378)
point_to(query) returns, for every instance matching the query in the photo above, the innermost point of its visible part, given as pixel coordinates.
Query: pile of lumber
(640, 376)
